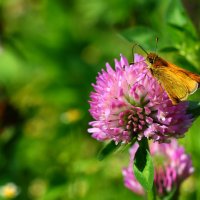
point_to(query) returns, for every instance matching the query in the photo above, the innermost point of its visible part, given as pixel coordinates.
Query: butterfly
(176, 81)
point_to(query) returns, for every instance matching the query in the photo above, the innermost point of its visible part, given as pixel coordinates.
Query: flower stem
(176, 194)
(151, 194)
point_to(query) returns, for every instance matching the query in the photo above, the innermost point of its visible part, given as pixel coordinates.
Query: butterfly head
(152, 58)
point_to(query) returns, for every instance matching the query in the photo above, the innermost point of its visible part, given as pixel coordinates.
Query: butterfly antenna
(140, 48)
(156, 45)
(143, 49)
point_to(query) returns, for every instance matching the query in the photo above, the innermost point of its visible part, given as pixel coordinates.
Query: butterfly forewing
(177, 84)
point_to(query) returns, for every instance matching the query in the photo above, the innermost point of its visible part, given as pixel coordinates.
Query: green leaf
(168, 49)
(194, 108)
(144, 36)
(143, 166)
(108, 149)
(112, 147)
(176, 16)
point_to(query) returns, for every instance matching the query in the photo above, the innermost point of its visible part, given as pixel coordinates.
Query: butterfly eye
(151, 60)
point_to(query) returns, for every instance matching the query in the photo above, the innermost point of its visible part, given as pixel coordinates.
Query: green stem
(150, 195)
(176, 194)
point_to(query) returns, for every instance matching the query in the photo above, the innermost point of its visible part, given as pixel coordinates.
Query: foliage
(50, 53)
(143, 168)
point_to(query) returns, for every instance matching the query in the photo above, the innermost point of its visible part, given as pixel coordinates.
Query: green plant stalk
(150, 195)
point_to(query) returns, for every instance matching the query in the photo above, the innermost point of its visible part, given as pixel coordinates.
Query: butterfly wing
(176, 82)
(192, 75)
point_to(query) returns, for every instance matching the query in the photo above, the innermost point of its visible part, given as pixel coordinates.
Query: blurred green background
(50, 53)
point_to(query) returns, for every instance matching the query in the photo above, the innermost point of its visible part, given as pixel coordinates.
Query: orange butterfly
(177, 82)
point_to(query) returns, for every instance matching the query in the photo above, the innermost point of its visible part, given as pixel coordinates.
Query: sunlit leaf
(143, 166)
(176, 14)
(177, 17)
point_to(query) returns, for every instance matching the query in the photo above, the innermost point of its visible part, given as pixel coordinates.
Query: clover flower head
(172, 167)
(128, 102)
